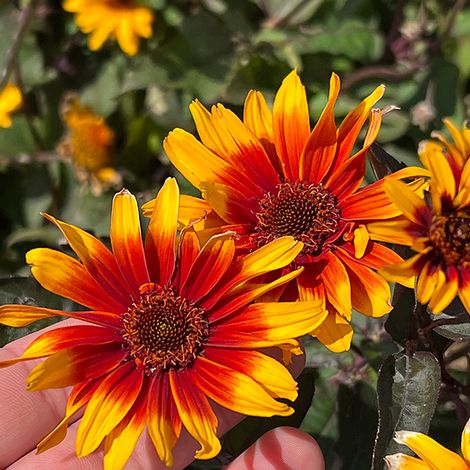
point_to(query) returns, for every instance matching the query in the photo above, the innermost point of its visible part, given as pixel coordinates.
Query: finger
(26, 417)
(283, 448)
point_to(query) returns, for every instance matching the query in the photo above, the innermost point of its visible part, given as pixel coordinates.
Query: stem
(24, 20)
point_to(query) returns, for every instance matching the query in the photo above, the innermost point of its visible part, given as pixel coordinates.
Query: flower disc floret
(308, 212)
(165, 330)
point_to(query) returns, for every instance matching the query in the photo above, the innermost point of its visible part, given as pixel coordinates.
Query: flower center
(164, 330)
(308, 212)
(450, 235)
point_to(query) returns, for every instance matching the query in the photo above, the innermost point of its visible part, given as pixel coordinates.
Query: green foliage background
(217, 50)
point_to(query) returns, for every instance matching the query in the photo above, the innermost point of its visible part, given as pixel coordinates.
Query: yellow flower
(432, 456)
(10, 101)
(171, 329)
(89, 143)
(271, 175)
(123, 20)
(437, 228)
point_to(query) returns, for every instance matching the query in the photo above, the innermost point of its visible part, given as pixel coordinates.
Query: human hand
(26, 417)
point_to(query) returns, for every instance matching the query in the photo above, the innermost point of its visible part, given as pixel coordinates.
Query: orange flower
(89, 144)
(124, 20)
(170, 326)
(437, 228)
(271, 175)
(432, 456)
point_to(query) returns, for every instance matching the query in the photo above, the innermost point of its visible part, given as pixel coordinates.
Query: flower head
(431, 455)
(271, 175)
(171, 326)
(437, 228)
(10, 101)
(89, 144)
(123, 20)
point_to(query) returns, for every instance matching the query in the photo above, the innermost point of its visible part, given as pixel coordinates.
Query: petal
(412, 206)
(291, 124)
(97, 259)
(243, 297)
(110, 403)
(335, 332)
(65, 337)
(376, 255)
(73, 365)
(121, 441)
(406, 271)
(126, 240)
(361, 240)
(192, 159)
(445, 291)
(275, 255)
(78, 398)
(65, 276)
(311, 287)
(164, 423)
(23, 315)
(320, 150)
(189, 248)
(405, 462)
(353, 123)
(235, 391)
(426, 282)
(430, 451)
(267, 324)
(264, 369)
(337, 285)
(127, 39)
(226, 135)
(160, 241)
(464, 290)
(399, 230)
(210, 265)
(196, 414)
(370, 293)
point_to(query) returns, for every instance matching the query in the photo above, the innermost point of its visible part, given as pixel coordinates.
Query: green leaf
(399, 324)
(407, 391)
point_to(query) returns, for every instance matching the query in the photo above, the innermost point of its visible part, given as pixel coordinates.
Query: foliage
(217, 50)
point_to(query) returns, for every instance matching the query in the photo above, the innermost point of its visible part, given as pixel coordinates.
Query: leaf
(407, 391)
(382, 162)
(458, 331)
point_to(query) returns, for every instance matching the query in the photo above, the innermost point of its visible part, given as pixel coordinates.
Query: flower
(437, 228)
(10, 101)
(432, 456)
(170, 326)
(271, 176)
(124, 20)
(89, 143)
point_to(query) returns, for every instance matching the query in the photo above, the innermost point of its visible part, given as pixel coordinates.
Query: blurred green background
(216, 51)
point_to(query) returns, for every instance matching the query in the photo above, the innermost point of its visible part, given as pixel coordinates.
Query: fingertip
(284, 447)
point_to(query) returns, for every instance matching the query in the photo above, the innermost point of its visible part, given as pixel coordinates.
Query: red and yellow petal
(160, 241)
(335, 332)
(126, 240)
(447, 287)
(17, 315)
(337, 285)
(268, 324)
(73, 365)
(58, 339)
(67, 277)
(235, 390)
(353, 123)
(320, 150)
(97, 259)
(430, 451)
(209, 266)
(264, 369)
(465, 442)
(464, 289)
(110, 403)
(164, 422)
(291, 126)
(370, 293)
(196, 413)
(121, 441)
(405, 273)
